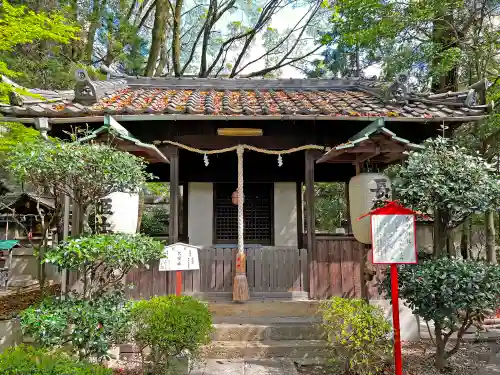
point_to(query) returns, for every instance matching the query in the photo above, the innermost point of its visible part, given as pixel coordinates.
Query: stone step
(257, 309)
(270, 331)
(266, 320)
(266, 349)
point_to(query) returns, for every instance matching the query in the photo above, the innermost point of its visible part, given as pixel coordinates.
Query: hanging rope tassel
(240, 284)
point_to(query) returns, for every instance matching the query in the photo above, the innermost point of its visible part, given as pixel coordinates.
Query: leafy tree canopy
(85, 172)
(447, 178)
(433, 39)
(19, 25)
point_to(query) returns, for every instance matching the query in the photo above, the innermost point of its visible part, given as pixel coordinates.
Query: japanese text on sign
(393, 239)
(180, 257)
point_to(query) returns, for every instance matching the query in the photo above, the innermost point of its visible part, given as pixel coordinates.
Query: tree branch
(146, 15)
(281, 65)
(295, 28)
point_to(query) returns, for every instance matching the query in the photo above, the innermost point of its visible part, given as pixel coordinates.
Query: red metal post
(398, 361)
(178, 283)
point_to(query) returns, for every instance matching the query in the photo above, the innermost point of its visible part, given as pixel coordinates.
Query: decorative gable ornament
(364, 190)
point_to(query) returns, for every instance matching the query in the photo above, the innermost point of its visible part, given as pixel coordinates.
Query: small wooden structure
(286, 126)
(20, 216)
(6, 247)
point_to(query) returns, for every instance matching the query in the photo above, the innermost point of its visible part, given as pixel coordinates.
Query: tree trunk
(450, 243)
(163, 59)
(441, 361)
(440, 234)
(489, 222)
(176, 38)
(141, 211)
(464, 239)
(95, 19)
(158, 36)
(443, 35)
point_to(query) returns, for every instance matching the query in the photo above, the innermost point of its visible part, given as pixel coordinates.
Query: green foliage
(154, 221)
(158, 189)
(26, 360)
(452, 293)
(170, 326)
(104, 259)
(93, 170)
(81, 327)
(446, 178)
(18, 25)
(429, 38)
(14, 133)
(330, 204)
(358, 335)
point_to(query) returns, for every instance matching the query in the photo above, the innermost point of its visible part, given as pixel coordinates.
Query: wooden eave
(113, 133)
(375, 143)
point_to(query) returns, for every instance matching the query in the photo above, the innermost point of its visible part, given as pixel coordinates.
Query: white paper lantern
(364, 190)
(125, 209)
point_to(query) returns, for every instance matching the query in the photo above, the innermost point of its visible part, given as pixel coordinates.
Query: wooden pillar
(173, 225)
(348, 208)
(185, 212)
(173, 228)
(310, 222)
(300, 216)
(65, 272)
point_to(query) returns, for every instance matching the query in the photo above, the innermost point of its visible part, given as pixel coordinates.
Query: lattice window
(258, 214)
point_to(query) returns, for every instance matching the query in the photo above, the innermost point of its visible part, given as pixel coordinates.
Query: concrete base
(10, 333)
(24, 269)
(409, 323)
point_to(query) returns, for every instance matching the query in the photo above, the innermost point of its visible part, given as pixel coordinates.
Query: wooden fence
(336, 268)
(275, 272)
(271, 272)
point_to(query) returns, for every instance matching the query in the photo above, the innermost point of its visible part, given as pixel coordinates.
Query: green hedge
(26, 360)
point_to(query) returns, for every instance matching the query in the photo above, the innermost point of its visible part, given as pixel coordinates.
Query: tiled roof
(243, 97)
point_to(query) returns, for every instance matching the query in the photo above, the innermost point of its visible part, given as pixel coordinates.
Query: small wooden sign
(180, 257)
(393, 239)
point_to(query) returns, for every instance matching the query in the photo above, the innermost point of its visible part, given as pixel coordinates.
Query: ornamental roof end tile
(243, 98)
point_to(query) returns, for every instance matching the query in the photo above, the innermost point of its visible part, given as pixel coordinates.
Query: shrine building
(292, 132)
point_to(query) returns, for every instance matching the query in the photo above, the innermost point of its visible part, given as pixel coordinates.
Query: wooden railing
(271, 272)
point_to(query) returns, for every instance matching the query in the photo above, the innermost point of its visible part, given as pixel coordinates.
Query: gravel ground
(418, 360)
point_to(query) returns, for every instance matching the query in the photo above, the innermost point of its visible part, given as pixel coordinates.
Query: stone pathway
(249, 367)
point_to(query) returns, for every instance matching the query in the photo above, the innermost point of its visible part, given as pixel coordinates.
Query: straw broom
(240, 284)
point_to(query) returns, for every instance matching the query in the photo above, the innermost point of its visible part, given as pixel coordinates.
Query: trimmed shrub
(169, 327)
(81, 327)
(358, 335)
(453, 293)
(103, 260)
(26, 360)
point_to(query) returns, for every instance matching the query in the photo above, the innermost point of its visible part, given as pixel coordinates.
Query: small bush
(453, 293)
(81, 327)
(358, 334)
(25, 360)
(155, 221)
(170, 326)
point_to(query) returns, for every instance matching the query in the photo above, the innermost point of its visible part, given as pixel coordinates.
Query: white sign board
(393, 239)
(180, 257)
